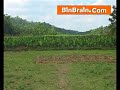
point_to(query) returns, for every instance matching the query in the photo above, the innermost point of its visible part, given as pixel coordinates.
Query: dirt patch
(74, 58)
(62, 81)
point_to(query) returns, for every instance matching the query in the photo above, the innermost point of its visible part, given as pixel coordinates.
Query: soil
(74, 58)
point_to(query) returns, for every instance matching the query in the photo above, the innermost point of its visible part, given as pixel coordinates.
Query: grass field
(21, 72)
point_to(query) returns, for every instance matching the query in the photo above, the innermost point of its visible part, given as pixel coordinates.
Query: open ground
(60, 70)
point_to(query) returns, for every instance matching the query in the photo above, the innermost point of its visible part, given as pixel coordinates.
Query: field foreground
(60, 70)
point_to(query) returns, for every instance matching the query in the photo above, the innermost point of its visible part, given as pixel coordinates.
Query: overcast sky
(45, 11)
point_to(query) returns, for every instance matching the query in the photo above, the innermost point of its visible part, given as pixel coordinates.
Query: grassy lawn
(22, 73)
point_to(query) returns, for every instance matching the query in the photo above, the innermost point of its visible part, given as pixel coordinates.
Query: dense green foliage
(41, 36)
(61, 42)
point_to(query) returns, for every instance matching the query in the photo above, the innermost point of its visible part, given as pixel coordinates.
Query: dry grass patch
(74, 58)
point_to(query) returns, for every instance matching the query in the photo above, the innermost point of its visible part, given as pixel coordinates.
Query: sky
(46, 11)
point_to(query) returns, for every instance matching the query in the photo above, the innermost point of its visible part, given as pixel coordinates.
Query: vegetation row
(61, 42)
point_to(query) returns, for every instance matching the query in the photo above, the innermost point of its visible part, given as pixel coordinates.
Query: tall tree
(113, 15)
(113, 21)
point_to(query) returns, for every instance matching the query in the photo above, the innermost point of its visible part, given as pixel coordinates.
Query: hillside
(107, 30)
(19, 26)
